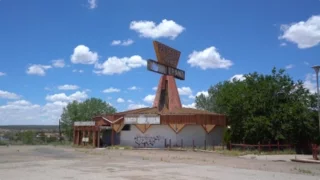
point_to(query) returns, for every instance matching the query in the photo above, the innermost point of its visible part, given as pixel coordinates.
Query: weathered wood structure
(151, 127)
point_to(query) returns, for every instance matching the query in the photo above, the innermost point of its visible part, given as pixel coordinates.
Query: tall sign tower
(167, 96)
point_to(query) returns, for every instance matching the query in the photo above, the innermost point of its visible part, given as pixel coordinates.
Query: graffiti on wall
(146, 141)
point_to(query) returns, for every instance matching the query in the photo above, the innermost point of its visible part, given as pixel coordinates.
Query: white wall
(155, 136)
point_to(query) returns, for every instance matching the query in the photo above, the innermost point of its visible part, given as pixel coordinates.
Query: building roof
(178, 116)
(165, 111)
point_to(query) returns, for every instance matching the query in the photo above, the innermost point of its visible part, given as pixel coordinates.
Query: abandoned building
(164, 124)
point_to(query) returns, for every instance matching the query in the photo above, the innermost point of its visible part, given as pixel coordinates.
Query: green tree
(264, 108)
(83, 111)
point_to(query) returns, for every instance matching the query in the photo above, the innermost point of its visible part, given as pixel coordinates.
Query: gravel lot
(49, 162)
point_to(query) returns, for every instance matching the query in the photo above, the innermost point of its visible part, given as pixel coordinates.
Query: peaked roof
(165, 111)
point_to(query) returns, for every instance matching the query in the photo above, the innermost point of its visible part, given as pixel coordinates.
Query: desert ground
(57, 162)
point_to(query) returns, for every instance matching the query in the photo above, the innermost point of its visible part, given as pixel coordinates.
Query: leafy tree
(264, 108)
(83, 111)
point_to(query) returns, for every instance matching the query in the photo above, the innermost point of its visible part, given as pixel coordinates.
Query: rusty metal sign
(164, 69)
(166, 55)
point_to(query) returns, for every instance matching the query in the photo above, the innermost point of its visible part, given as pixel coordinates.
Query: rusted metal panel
(166, 55)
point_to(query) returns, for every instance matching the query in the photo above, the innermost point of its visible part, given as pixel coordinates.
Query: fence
(206, 144)
(261, 147)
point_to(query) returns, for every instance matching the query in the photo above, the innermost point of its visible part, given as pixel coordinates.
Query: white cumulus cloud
(92, 4)
(305, 34)
(136, 106)
(149, 29)
(310, 83)
(2, 74)
(205, 93)
(48, 114)
(127, 42)
(130, 101)
(68, 87)
(237, 77)
(79, 71)
(77, 96)
(192, 105)
(149, 98)
(120, 100)
(209, 58)
(133, 88)
(83, 55)
(155, 88)
(8, 95)
(115, 65)
(58, 63)
(38, 69)
(111, 90)
(289, 66)
(185, 91)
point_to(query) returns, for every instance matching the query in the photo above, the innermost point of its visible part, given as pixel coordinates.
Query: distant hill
(31, 127)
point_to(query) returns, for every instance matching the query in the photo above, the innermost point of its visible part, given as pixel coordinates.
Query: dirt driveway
(48, 162)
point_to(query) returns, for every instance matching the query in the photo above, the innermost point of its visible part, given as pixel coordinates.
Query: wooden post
(259, 146)
(165, 143)
(278, 146)
(112, 136)
(78, 137)
(98, 138)
(181, 143)
(169, 143)
(74, 136)
(230, 145)
(269, 146)
(213, 145)
(94, 138)
(205, 145)
(193, 144)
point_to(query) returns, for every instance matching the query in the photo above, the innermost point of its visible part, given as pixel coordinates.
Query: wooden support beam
(98, 138)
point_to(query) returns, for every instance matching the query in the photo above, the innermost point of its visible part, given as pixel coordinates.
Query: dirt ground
(49, 162)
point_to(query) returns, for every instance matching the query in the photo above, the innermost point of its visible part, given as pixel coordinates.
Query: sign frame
(142, 119)
(166, 70)
(84, 123)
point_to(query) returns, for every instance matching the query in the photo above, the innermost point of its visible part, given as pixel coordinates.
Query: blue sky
(53, 52)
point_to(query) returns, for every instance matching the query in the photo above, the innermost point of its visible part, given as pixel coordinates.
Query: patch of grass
(304, 171)
(62, 143)
(4, 143)
(237, 152)
(119, 147)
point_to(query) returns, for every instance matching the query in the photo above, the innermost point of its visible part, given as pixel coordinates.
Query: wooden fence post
(259, 146)
(278, 146)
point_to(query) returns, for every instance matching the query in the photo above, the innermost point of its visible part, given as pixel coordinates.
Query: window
(126, 127)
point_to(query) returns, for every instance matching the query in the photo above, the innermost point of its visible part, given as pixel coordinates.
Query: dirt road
(48, 162)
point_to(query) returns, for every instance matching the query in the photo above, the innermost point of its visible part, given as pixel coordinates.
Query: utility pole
(317, 68)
